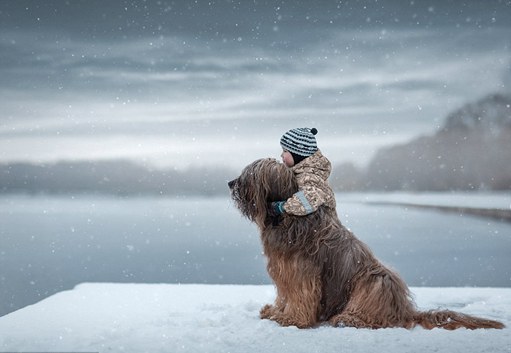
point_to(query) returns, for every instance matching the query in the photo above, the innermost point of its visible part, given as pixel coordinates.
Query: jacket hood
(316, 164)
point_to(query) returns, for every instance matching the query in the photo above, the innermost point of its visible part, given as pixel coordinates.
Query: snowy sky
(218, 82)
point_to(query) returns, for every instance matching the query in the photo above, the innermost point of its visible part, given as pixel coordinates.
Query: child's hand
(275, 211)
(278, 207)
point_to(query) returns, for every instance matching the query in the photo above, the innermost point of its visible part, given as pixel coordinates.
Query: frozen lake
(51, 243)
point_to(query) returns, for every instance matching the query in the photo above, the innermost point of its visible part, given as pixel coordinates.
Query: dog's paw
(267, 311)
(337, 323)
(290, 321)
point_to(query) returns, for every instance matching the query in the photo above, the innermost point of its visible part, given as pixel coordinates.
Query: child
(311, 169)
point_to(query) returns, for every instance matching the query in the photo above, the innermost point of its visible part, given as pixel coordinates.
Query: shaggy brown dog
(321, 270)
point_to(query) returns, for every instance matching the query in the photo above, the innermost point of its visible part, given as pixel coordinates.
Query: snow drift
(224, 318)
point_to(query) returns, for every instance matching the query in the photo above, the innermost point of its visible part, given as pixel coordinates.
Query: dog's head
(259, 184)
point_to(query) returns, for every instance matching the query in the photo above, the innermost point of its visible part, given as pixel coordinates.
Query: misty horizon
(443, 161)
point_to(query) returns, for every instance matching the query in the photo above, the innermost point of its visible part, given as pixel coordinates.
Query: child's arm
(302, 203)
(305, 201)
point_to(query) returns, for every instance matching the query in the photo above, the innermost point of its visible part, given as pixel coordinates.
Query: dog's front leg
(270, 311)
(297, 302)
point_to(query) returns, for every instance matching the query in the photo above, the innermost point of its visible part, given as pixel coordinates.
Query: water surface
(50, 244)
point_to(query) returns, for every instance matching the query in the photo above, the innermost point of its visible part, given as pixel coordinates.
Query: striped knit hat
(300, 142)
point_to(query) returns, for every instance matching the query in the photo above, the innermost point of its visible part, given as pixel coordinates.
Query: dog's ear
(281, 183)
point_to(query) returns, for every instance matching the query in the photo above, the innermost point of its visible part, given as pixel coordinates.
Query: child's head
(298, 144)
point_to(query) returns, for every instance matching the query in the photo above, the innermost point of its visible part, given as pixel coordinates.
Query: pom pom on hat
(300, 141)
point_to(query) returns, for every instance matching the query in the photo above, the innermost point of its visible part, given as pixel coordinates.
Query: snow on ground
(224, 318)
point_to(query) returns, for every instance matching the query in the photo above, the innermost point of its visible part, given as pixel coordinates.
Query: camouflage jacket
(311, 175)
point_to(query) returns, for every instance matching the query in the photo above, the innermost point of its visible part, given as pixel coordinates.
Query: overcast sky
(180, 83)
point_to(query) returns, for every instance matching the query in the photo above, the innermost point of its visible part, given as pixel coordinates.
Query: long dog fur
(322, 272)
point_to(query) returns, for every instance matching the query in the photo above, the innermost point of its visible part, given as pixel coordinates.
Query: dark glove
(275, 212)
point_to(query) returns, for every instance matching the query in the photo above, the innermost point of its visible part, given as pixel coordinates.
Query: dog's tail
(452, 320)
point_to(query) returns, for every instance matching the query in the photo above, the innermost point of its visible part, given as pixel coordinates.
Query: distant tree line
(118, 177)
